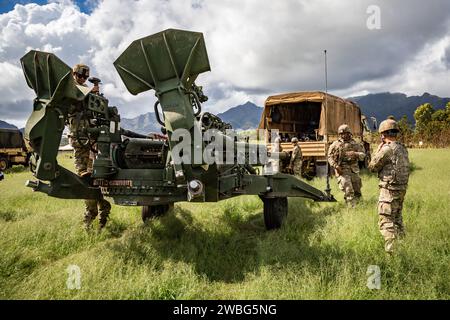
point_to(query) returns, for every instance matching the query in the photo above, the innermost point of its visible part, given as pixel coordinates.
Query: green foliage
(406, 130)
(423, 115)
(222, 251)
(439, 115)
(432, 126)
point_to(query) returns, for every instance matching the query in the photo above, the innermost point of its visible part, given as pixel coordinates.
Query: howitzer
(150, 171)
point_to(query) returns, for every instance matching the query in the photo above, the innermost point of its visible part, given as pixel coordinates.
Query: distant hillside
(143, 124)
(6, 125)
(381, 105)
(245, 116)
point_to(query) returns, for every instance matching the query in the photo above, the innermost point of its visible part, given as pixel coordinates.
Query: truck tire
(150, 212)
(4, 164)
(275, 212)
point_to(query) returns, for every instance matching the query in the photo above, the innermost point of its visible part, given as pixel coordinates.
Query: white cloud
(426, 72)
(256, 48)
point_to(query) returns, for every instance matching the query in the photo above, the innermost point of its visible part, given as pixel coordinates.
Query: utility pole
(328, 189)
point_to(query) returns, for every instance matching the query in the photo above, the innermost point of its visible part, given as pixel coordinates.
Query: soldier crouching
(343, 156)
(391, 162)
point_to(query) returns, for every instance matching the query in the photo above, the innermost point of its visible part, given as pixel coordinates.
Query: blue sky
(85, 6)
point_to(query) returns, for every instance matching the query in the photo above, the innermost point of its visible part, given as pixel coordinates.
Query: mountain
(245, 116)
(144, 124)
(6, 125)
(381, 105)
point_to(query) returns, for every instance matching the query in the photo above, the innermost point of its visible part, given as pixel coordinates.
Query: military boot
(351, 203)
(87, 222)
(389, 245)
(104, 208)
(90, 213)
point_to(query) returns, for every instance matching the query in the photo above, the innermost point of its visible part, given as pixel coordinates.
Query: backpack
(400, 164)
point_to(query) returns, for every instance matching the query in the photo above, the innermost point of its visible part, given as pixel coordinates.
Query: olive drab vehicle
(314, 118)
(12, 149)
(138, 170)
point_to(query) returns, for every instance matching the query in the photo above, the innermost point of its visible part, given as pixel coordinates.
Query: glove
(351, 154)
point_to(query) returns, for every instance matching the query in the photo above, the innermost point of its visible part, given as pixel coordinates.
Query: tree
(447, 111)
(433, 126)
(423, 115)
(406, 129)
(439, 115)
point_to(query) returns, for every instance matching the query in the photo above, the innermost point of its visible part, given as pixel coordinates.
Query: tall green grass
(222, 251)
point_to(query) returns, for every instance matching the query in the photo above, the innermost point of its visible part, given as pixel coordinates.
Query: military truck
(313, 117)
(12, 148)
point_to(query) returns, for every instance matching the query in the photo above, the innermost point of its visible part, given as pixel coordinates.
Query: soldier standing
(343, 157)
(83, 154)
(391, 162)
(296, 158)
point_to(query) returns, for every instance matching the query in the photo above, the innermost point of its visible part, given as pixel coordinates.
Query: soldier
(83, 154)
(343, 156)
(391, 162)
(295, 164)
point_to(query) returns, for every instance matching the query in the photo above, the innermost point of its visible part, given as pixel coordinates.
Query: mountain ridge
(383, 104)
(247, 115)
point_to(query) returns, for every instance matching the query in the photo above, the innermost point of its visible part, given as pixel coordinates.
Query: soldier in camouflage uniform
(343, 157)
(391, 162)
(296, 158)
(83, 154)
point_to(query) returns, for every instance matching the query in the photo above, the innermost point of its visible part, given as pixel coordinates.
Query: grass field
(222, 251)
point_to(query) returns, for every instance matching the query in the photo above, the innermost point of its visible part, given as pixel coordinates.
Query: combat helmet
(387, 125)
(294, 140)
(344, 129)
(81, 69)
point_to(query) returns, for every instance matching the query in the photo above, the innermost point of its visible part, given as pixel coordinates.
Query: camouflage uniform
(83, 164)
(348, 180)
(296, 160)
(392, 165)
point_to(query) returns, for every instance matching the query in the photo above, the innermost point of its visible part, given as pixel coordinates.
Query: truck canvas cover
(334, 111)
(10, 138)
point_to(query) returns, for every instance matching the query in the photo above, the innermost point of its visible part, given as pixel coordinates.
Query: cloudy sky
(256, 47)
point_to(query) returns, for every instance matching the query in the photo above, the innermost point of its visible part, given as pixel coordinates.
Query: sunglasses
(82, 76)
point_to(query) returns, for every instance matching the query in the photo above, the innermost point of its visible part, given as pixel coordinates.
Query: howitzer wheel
(275, 212)
(149, 212)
